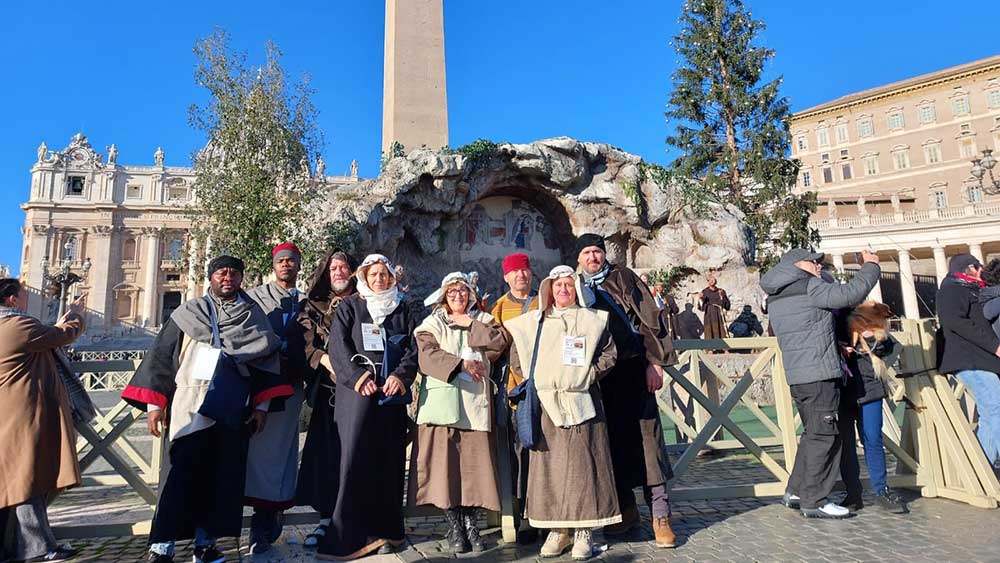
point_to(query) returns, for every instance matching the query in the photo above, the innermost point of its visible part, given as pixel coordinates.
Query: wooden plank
(754, 370)
(772, 489)
(505, 518)
(716, 344)
(104, 366)
(783, 406)
(116, 462)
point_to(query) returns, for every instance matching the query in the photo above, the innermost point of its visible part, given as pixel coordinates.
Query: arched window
(175, 249)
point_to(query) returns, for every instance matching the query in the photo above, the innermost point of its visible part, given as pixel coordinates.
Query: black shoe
(527, 536)
(791, 501)
(853, 503)
(891, 502)
(476, 541)
(61, 553)
(208, 555)
(260, 546)
(157, 558)
(457, 542)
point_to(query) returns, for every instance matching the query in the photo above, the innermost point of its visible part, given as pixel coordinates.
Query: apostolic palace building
(893, 169)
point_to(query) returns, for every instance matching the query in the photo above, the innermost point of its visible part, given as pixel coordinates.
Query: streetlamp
(983, 166)
(63, 279)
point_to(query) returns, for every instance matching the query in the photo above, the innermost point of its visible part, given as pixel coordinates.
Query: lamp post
(982, 167)
(64, 278)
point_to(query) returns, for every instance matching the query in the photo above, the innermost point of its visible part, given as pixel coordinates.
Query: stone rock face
(437, 212)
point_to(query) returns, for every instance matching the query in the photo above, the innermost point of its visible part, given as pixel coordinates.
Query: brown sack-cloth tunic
(715, 303)
(36, 429)
(451, 467)
(570, 479)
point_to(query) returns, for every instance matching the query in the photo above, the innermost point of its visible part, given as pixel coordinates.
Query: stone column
(838, 262)
(38, 249)
(911, 308)
(100, 275)
(151, 270)
(940, 264)
(976, 249)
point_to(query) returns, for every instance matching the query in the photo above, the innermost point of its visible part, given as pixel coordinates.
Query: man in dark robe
(273, 457)
(639, 454)
(330, 283)
(182, 374)
(714, 301)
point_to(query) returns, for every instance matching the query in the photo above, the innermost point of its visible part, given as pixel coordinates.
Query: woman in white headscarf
(453, 461)
(565, 349)
(372, 354)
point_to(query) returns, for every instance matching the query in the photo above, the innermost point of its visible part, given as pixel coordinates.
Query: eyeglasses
(456, 291)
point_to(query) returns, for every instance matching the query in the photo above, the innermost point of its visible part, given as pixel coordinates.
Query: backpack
(739, 329)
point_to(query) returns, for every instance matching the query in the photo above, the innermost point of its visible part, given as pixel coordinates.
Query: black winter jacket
(969, 341)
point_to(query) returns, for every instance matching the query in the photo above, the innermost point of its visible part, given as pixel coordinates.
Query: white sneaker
(829, 510)
(583, 545)
(555, 544)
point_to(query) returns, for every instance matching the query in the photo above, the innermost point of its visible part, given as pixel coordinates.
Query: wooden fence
(935, 447)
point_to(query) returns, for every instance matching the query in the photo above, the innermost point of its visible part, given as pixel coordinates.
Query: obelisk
(415, 103)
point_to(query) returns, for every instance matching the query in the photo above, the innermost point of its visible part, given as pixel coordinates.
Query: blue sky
(518, 70)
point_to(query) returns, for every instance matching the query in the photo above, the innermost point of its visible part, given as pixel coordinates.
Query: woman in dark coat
(868, 350)
(714, 302)
(368, 511)
(331, 283)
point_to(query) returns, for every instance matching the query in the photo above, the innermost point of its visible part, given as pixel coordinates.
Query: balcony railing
(909, 217)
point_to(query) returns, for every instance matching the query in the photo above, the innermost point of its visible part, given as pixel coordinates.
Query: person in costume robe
(571, 484)
(36, 429)
(453, 460)
(518, 300)
(184, 374)
(368, 511)
(643, 343)
(273, 457)
(668, 309)
(714, 302)
(331, 282)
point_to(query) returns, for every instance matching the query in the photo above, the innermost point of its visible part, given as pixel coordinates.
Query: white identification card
(371, 337)
(206, 359)
(469, 354)
(574, 348)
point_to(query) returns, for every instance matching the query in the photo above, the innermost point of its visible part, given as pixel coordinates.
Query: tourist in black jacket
(971, 350)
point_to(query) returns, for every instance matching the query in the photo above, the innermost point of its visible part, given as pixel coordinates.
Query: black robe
(369, 501)
(205, 482)
(638, 452)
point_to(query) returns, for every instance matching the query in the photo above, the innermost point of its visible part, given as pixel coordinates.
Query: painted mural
(499, 226)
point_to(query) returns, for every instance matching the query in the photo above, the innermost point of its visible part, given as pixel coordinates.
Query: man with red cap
(272, 461)
(519, 300)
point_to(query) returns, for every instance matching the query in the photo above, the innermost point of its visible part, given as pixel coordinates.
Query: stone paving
(717, 531)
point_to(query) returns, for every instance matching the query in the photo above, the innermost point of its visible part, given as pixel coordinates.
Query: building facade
(126, 223)
(891, 167)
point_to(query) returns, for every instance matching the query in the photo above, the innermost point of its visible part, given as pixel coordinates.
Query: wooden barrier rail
(935, 447)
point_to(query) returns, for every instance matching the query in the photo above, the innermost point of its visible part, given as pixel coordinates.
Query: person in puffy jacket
(801, 306)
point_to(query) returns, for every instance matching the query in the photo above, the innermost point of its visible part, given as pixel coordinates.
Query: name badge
(371, 337)
(206, 358)
(574, 348)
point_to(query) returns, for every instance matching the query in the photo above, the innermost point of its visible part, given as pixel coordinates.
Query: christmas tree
(731, 125)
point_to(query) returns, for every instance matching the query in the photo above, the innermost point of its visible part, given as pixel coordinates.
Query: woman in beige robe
(571, 482)
(453, 461)
(36, 429)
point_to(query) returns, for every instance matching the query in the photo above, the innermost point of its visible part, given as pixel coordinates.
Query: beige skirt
(570, 480)
(450, 468)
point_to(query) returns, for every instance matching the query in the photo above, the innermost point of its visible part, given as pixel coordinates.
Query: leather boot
(476, 542)
(457, 542)
(664, 534)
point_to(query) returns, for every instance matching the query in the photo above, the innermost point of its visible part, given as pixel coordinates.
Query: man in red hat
(272, 461)
(519, 300)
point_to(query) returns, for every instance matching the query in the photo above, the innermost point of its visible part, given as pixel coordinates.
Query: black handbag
(229, 392)
(528, 416)
(391, 357)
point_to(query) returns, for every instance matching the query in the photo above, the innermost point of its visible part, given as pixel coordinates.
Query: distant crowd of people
(570, 370)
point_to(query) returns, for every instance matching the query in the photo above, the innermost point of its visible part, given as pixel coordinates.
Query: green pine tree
(254, 186)
(731, 125)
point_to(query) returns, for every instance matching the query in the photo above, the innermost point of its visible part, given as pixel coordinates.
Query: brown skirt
(450, 468)
(570, 480)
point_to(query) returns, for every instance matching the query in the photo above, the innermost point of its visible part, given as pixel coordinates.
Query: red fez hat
(286, 246)
(516, 261)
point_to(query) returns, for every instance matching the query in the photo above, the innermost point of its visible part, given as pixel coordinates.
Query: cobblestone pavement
(725, 530)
